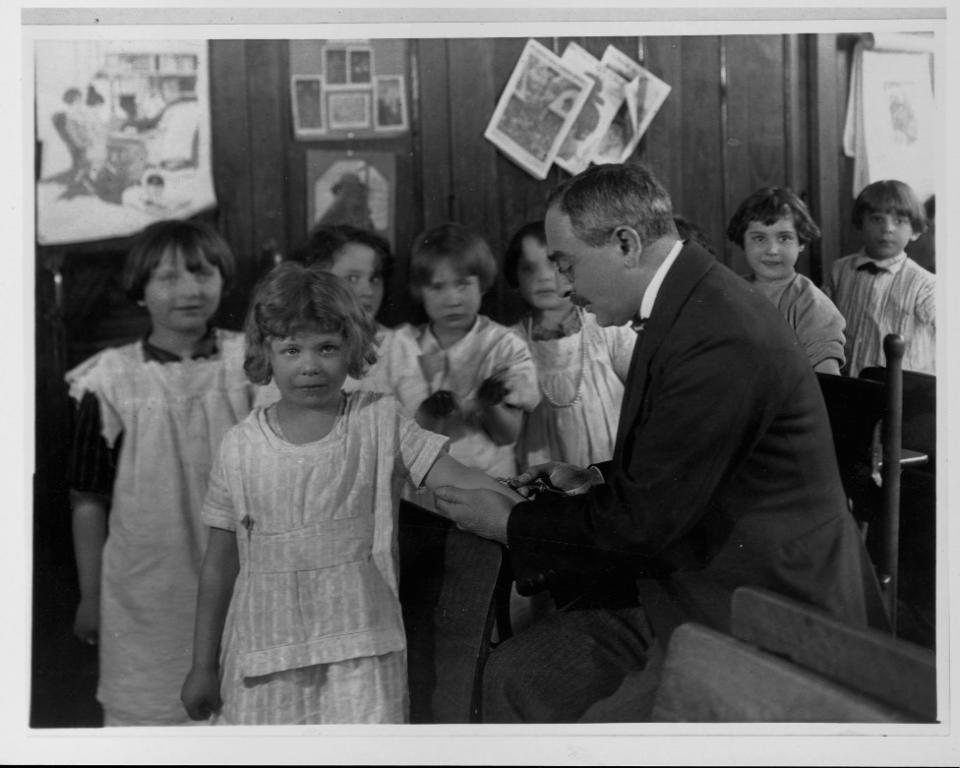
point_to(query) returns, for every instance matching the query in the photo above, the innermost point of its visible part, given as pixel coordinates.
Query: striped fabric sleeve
(92, 465)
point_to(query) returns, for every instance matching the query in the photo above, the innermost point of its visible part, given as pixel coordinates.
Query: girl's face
(181, 299)
(451, 300)
(772, 250)
(309, 368)
(540, 284)
(359, 265)
(886, 234)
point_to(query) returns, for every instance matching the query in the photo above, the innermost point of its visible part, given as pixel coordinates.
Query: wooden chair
(451, 585)
(860, 410)
(916, 577)
(790, 662)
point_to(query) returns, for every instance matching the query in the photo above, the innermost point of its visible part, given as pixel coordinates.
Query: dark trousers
(589, 665)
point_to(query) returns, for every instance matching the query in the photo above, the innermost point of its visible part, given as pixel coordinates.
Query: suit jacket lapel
(691, 265)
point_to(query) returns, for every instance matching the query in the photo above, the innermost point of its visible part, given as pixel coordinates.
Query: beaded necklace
(550, 398)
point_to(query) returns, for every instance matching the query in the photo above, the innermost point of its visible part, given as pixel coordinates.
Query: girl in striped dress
(299, 581)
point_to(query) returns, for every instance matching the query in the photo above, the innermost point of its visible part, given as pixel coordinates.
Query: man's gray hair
(605, 197)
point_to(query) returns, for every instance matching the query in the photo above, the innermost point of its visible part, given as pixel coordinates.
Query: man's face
(598, 273)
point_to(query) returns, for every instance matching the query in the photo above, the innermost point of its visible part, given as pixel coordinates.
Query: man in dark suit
(723, 472)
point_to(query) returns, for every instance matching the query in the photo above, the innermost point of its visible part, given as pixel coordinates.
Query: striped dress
(900, 298)
(314, 632)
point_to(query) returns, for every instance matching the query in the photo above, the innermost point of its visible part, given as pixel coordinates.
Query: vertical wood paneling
(269, 121)
(824, 147)
(229, 107)
(434, 139)
(701, 194)
(473, 162)
(754, 151)
(660, 149)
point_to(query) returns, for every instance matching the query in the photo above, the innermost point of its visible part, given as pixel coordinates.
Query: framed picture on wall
(348, 109)
(335, 66)
(391, 108)
(355, 188)
(360, 66)
(307, 106)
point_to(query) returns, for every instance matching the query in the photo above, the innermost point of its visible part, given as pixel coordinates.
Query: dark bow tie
(638, 323)
(872, 267)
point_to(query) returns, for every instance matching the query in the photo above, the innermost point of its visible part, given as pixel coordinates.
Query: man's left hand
(480, 511)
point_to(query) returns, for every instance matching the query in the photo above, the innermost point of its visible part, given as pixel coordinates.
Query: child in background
(581, 367)
(879, 290)
(363, 259)
(151, 415)
(773, 227)
(462, 374)
(299, 581)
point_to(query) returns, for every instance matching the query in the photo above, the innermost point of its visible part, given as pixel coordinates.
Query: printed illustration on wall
(347, 89)
(124, 136)
(574, 110)
(891, 112)
(537, 109)
(355, 188)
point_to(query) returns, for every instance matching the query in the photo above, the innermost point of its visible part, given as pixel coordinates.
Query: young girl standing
(150, 417)
(363, 259)
(461, 373)
(581, 366)
(773, 227)
(299, 580)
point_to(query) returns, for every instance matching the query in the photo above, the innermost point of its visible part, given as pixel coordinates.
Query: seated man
(723, 472)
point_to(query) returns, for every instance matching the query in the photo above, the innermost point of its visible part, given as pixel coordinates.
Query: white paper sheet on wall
(891, 123)
(124, 131)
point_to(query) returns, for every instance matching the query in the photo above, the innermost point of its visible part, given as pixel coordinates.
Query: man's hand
(556, 476)
(480, 511)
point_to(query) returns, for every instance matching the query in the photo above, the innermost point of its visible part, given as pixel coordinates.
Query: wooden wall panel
(232, 172)
(700, 194)
(660, 149)
(755, 131)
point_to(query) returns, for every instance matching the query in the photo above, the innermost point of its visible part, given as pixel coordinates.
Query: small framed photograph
(360, 66)
(307, 104)
(391, 108)
(348, 110)
(335, 66)
(537, 109)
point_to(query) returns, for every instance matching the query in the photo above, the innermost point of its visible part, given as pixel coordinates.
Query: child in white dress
(461, 373)
(150, 418)
(581, 366)
(363, 259)
(299, 580)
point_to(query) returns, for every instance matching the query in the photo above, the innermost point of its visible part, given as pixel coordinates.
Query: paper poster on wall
(355, 188)
(124, 132)
(598, 112)
(891, 113)
(537, 108)
(644, 95)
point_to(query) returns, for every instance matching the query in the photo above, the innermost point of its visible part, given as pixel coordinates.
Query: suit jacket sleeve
(714, 398)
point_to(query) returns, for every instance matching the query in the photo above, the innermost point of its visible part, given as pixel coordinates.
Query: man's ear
(628, 240)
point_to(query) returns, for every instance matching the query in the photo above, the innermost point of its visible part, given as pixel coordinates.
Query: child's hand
(86, 623)
(492, 391)
(201, 693)
(440, 404)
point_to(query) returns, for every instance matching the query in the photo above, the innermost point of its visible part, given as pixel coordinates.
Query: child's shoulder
(105, 365)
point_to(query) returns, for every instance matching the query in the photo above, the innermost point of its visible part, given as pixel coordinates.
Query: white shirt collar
(650, 295)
